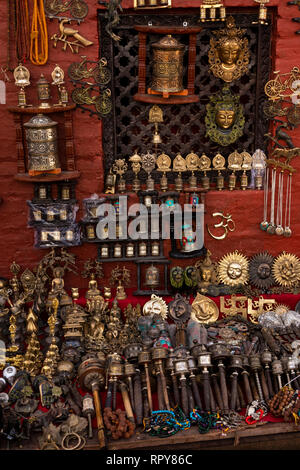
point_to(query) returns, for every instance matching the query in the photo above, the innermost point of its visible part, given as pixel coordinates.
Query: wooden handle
(126, 401)
(233, 395)
(253, 388)
(269, 382)
(100, 426)
(196, 392)
(264, 385)
(212, 400)
(206, 391)
(217, 392)
(241, 396)
(224, 390)
(247, 388)
(108, 400)
(161, 403)
(175, 389)
(184, 397)
(149, 393)
(164, 387)
(138, 399)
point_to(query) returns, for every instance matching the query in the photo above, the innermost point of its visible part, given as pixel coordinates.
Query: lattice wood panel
(183, 129)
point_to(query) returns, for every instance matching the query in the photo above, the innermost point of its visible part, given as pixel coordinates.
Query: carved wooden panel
(183, 129)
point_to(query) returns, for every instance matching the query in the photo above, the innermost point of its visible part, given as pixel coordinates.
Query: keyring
(68, 435)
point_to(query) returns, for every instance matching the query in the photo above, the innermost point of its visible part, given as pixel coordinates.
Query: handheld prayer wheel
(181, 370)
(193, 369)
(129, 372)
(236, 365)
(170, 367)
(204, 362)
(255, 365)
(221, 353)
(291, 365)
(158, 356)
(41, 138)
(245, 375)
(266, 359)
(277, 371)
(144, 359)
(91, 376)
(115, 372)
(88, 411)
(167, 72)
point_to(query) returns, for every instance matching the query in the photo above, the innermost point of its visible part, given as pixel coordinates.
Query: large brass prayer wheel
(41, 138)
(167, 74)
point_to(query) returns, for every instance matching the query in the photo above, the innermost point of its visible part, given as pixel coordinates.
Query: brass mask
(229, 52)
(224, 118)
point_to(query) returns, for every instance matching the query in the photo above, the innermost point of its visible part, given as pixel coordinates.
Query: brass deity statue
(207, 273)
(224, 119)
(229, 52)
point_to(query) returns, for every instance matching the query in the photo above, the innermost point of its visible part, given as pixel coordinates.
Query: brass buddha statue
(229, 52)
(207, 273)
(224, 119)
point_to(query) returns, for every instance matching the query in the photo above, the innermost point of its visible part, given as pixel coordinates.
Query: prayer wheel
(167, 75)
(41, 138)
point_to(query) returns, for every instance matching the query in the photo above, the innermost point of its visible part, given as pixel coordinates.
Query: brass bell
(152, 276)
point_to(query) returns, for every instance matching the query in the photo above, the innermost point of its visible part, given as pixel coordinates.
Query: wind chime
(277, 205)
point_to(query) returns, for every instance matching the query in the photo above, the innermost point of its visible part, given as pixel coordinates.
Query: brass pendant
(204, 310)
(286, 270)
(224, 118)
(233, 269)
(229, 52)
(260, 269)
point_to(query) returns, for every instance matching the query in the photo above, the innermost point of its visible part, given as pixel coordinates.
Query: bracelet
(68, 436)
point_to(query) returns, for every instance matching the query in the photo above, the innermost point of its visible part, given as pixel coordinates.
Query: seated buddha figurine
(57, 289)
(229, 52)
(224, 118)
(207, 273)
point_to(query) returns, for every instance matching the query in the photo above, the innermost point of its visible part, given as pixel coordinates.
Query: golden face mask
(229, 52)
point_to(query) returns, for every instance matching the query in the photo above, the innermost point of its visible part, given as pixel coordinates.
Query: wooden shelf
(47, 177)
(38, 109)
(168, 29)
(156, 99)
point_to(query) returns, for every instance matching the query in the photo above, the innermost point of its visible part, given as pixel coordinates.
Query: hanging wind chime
(277, 204)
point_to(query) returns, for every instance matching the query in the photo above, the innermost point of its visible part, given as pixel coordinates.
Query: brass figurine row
(237, 162)
(22, 80)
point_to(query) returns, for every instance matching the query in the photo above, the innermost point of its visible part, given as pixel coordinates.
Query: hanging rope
(39, 34)
(22, 31)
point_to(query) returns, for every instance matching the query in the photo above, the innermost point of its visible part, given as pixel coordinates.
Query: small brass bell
(152, 276)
